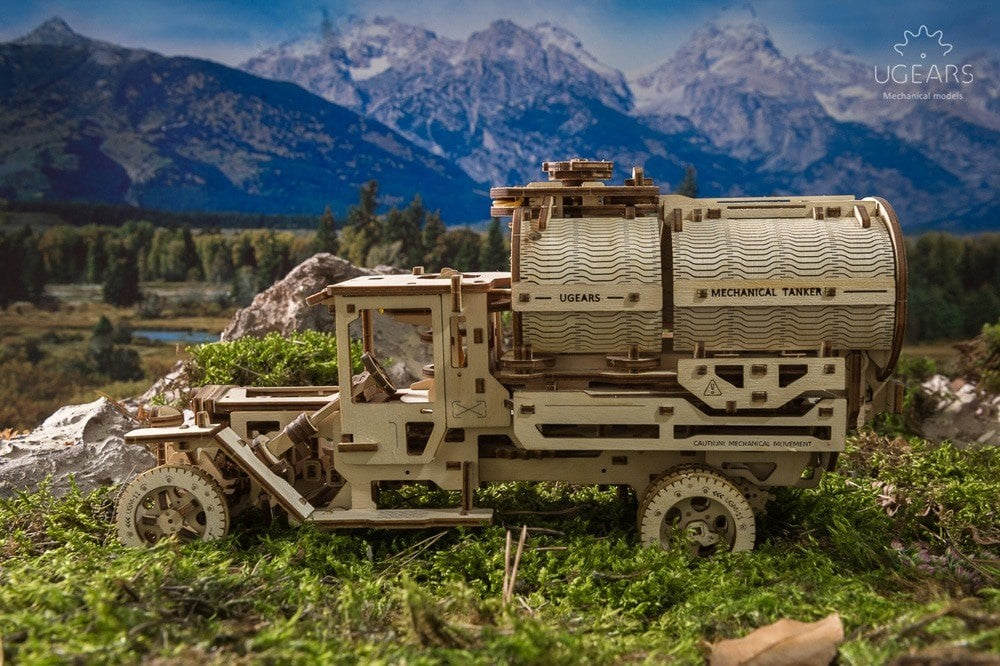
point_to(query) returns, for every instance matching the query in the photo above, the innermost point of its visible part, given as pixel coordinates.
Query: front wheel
(171, 501)
(713, 511)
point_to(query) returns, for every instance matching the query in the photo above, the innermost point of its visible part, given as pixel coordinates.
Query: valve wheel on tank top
(712, 509)
(171, 501)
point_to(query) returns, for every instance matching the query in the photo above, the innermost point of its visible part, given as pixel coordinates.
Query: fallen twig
(506, 567)
(948, 541)
(411, 552)
(429, 542)
(981, 540)
(956, 608)
(126, 587)
(610, 576)
(119, 407)
(524, 603)
(555, 512)
(512, 582)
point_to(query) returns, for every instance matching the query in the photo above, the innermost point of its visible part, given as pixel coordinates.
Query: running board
(402, 518)
(278, 488)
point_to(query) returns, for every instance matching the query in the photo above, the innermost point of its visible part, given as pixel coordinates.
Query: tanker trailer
(697, 351)
(715, 347)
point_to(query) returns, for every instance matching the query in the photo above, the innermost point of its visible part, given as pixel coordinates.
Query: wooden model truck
(699, 351)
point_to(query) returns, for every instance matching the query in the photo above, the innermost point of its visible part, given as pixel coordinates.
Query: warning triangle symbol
(712, 389)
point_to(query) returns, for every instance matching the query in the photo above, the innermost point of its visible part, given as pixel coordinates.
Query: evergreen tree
(102, 329)
(117, 363)
(326, 233)
(414, 218)
(462, 249)
(243, 286)
(433, 242)
(273, 262)
(190, 262)
(138, 237)
(493, 255)
(33, 276)
(405, 227)
(121, 281)
(364, 230)
(23, 267)
(689, 186)
(243, 252)
(220, 264)
(97, 258)
(389, 250)
(99, 349)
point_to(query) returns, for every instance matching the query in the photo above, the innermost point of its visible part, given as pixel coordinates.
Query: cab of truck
(405, 432)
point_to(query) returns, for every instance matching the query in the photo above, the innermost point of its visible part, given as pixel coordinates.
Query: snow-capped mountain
(559, 38)
(95, 121)
(734, 85)
(751, 119)
(466, 100)
(727, 100)
(332, 63)
(822, 119)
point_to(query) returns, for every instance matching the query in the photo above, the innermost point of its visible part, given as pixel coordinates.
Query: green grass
(306, 358)
(586, 593)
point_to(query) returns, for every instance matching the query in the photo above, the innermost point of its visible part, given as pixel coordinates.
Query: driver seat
(420, 391)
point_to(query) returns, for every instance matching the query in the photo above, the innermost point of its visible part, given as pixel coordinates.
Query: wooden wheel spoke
(172, 500)
(713, 512)
(188, 533)
(188, 507)
(687, 506)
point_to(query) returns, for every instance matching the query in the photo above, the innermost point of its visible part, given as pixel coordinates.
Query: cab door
(408, 427)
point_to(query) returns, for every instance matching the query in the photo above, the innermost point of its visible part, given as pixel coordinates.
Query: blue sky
(628, 34)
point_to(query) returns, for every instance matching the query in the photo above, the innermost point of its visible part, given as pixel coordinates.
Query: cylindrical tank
(762, 277)
(600, 269)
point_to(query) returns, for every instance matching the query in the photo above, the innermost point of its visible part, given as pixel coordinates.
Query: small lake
(173, 335)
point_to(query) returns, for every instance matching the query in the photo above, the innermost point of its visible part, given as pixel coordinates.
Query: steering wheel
(377, 374)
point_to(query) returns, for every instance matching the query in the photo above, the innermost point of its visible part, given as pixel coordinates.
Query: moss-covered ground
(903, 541)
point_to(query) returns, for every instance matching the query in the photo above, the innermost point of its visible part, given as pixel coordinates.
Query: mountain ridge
(93, 121)
(448, 118)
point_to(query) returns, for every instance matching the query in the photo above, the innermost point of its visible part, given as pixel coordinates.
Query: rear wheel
(171, 501)
(710, 507)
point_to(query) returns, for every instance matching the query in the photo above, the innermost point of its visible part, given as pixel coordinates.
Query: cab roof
(400, 285)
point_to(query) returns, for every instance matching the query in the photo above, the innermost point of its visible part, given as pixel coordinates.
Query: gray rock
(964, 414)
(282, 307)
(172, 386)
(85, 442)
